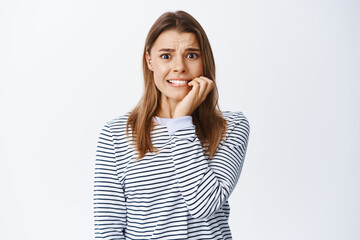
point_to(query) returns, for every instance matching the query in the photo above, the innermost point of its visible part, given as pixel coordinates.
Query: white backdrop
(292, 67)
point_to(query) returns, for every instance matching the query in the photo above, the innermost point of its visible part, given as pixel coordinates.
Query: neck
(166, 108)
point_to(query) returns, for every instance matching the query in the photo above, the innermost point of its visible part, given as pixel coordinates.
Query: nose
(179, 65)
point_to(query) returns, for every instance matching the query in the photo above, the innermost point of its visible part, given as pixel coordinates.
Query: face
(175, 60)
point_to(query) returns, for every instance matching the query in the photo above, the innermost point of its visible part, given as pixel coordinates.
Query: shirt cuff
(179, 123)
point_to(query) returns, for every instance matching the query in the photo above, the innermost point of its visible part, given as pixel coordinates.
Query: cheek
(201, 69)
(160, 74)
(197, 69)
(160, 69)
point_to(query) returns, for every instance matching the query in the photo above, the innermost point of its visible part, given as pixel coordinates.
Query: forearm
(204, 189)
(109, 201)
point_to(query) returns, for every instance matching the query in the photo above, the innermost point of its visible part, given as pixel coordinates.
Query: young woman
(166, 169)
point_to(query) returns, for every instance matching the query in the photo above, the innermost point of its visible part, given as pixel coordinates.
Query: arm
(206, 186)
(109, 200)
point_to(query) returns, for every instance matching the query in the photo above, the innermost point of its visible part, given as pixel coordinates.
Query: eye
(165, 56)
(193, 55)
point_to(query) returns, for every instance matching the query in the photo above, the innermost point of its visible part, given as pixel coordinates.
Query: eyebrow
(173, 50)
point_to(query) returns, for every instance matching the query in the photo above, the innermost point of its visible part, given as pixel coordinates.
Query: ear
(148, 61)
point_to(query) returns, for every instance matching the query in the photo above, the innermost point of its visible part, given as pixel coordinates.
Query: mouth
(178, 82)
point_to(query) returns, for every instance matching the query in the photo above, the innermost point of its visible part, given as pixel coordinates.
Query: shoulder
(118, 124)
(235, 117)
(238, 127)
(119, 119)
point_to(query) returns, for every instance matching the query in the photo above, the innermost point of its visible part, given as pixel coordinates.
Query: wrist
(181, 114)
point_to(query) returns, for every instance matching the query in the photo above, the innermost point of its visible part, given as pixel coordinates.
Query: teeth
(178, 81)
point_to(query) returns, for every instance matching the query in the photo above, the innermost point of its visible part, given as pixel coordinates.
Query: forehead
(175, 39)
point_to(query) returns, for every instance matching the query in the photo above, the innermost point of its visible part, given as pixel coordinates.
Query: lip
(178, 84)
(181, 79)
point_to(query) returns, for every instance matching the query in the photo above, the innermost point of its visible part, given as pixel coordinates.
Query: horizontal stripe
(176, 193)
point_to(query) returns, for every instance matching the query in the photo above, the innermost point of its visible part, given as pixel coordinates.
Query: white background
(292, 67)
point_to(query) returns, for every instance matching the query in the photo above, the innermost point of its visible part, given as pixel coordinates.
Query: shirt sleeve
(206, 186)
(175, 124)
(109, 200)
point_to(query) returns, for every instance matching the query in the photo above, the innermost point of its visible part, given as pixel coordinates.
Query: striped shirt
(176, 193)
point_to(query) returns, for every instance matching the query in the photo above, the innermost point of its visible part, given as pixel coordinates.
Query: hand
(201, 87)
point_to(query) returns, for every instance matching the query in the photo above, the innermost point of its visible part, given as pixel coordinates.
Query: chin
(176, 95)
(179, 98)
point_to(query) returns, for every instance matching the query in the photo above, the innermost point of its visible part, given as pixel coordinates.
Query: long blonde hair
(207, 118)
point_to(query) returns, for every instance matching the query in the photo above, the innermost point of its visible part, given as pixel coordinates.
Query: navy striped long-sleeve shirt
(175, 193)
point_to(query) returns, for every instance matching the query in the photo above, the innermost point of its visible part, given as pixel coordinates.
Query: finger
(208, 85)
(202, 87)
(210, 82)
(193, 83)
(195, 87)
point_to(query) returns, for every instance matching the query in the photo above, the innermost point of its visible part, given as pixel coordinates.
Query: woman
(167, 169)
